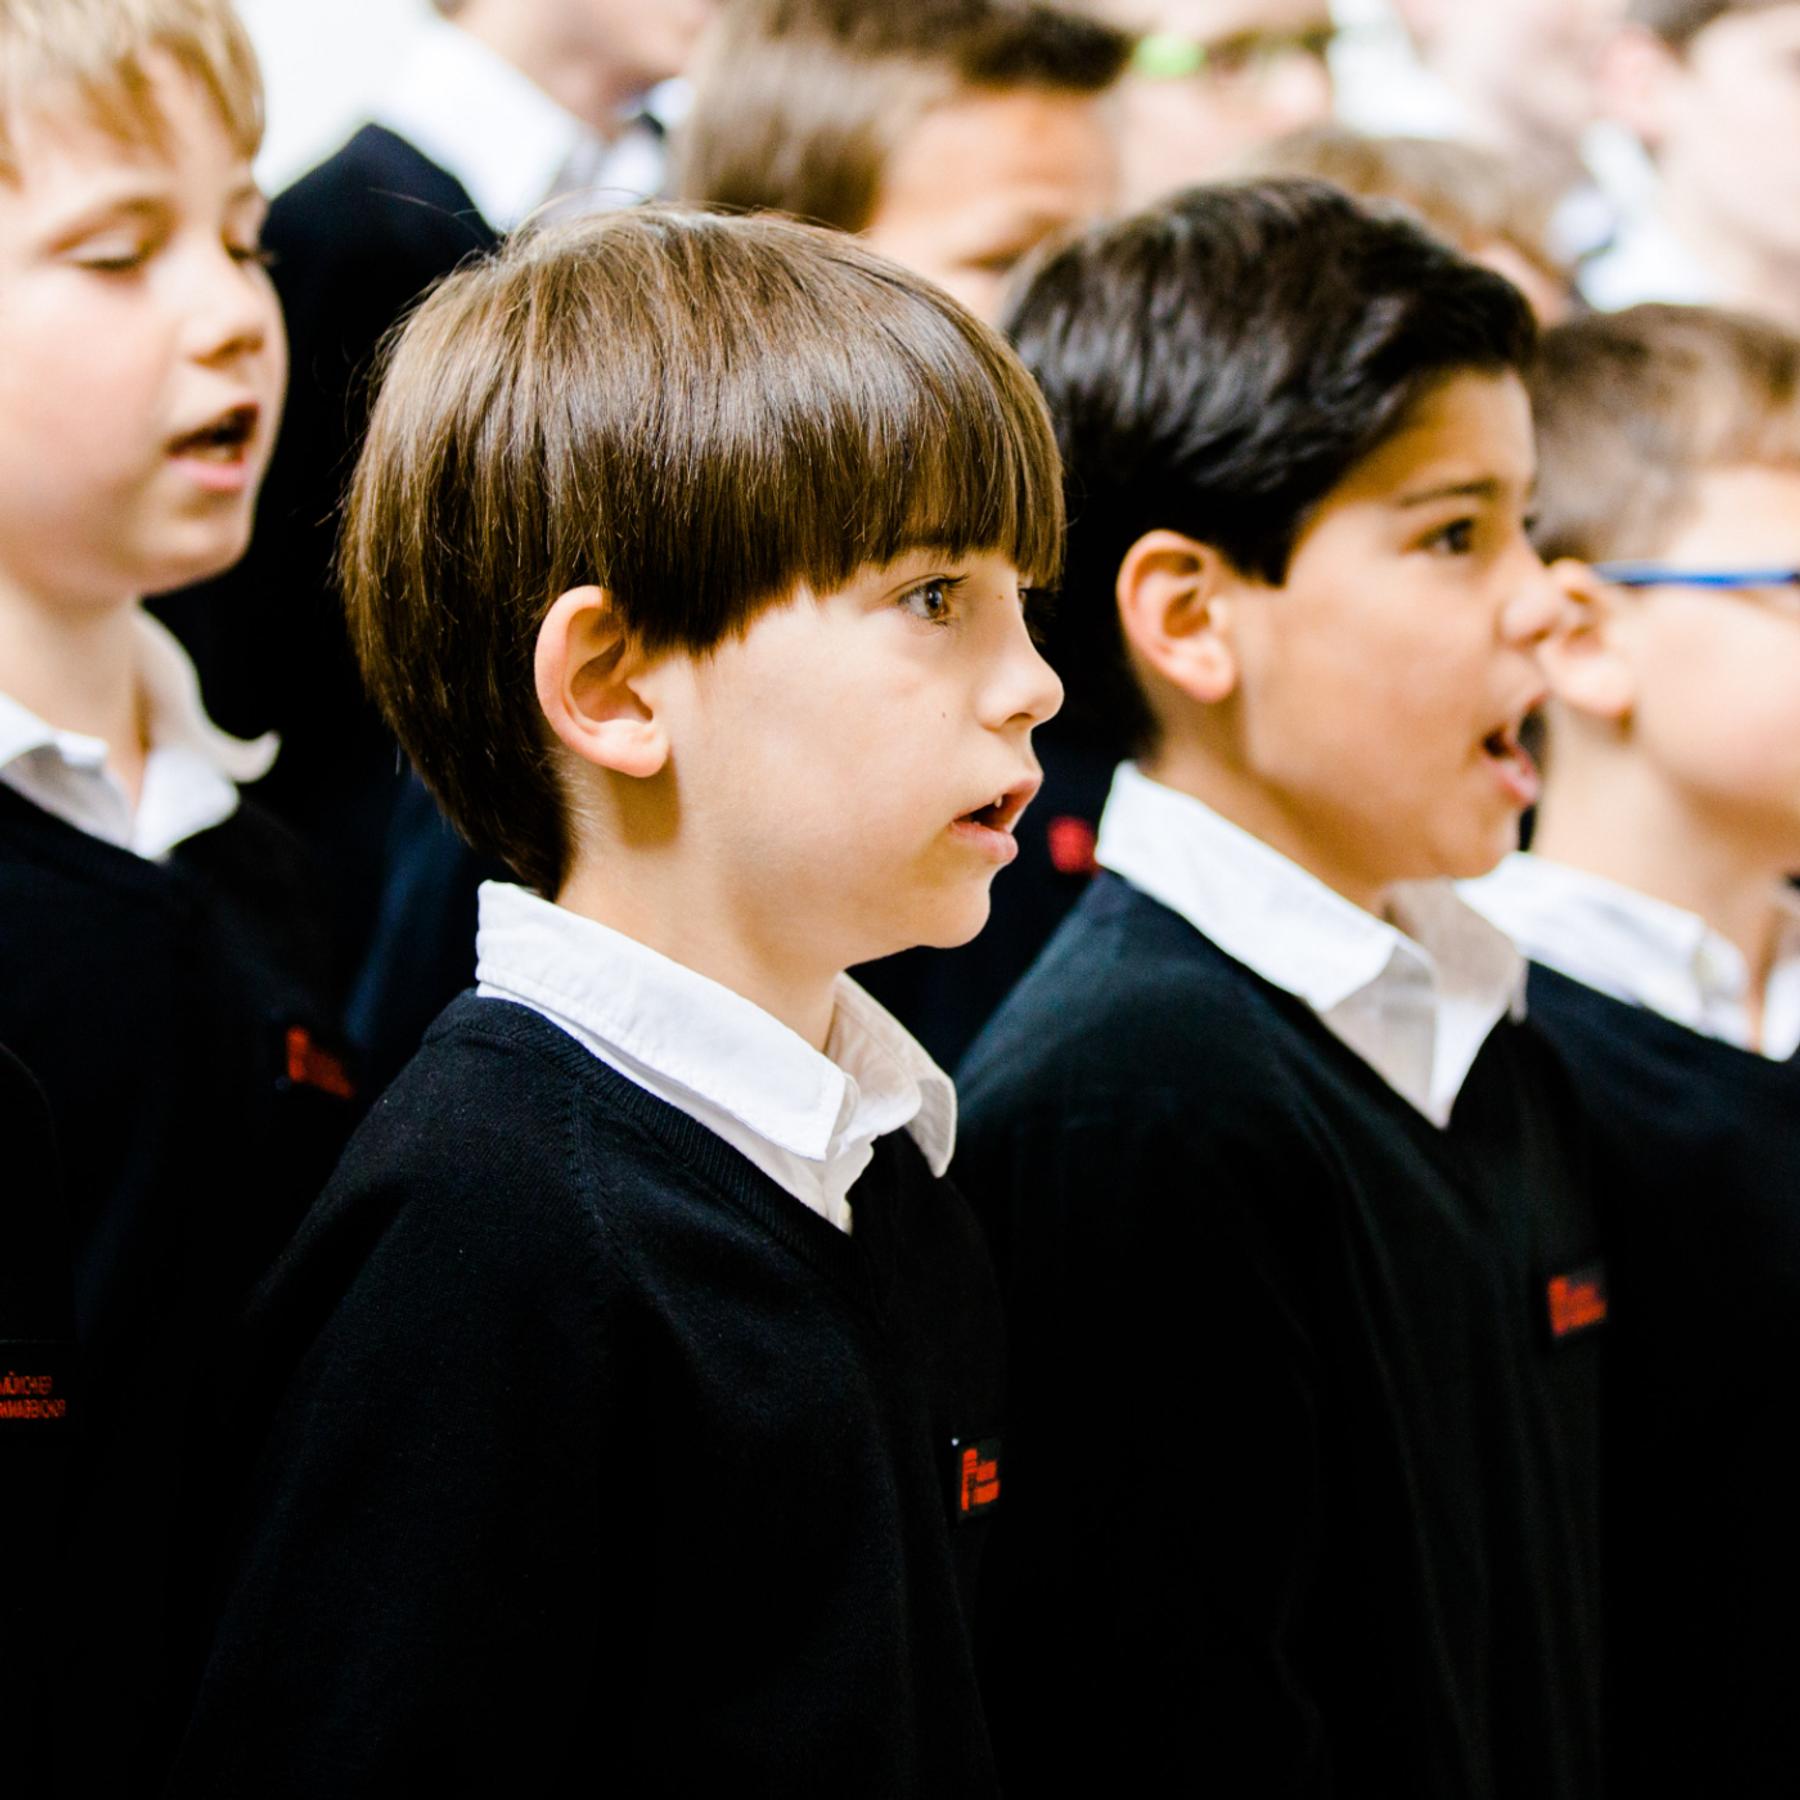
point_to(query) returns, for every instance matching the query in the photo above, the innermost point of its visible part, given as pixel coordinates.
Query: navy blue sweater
(1698, 1179)
(178, 1017)
(39, 1414)
(1302, 1495)
(596, 1462)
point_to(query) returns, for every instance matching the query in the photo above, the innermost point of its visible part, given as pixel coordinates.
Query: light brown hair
(1634, 407)
(697, 414)
(1679, 22)
(1468, 196)
(800, 104)
(95, 54)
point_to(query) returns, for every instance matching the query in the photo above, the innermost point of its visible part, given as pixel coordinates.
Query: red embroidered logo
(978, 1476)
(1071, 843)
(35, 1379)
(311, 1065)
(1577, 1301)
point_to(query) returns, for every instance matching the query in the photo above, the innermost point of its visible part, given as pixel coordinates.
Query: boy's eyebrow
(1486, 487)
(142, 203)
(126, 204)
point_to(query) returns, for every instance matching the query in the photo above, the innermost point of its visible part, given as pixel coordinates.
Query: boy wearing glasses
(1666, 946)
(1212, 79)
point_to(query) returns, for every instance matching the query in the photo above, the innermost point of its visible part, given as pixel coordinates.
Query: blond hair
(96, 54)
(696, 413)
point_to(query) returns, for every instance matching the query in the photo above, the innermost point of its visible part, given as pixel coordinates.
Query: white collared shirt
(511, 146)
(1647, 261)
(808, 1121)
(190, 775)
(1416, 999)
(1645, 951)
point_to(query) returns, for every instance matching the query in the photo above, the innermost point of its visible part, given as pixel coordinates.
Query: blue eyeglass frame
(1655, 574)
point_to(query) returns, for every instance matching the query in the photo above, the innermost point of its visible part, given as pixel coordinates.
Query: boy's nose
(1040, 690)
(235, 311)
(1534, 605)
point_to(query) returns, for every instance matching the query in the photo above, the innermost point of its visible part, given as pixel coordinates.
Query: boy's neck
(593, 91)
(78, 671)
(1625, 826)
(1250, 807)
(704, 932)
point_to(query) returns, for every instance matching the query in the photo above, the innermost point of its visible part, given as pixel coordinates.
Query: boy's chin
(947, 926)
(198, 561)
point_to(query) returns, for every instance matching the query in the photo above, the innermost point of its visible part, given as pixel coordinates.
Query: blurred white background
(323, 60)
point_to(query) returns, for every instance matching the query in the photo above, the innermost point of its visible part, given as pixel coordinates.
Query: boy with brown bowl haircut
(1284, 1193)
(639, 1375)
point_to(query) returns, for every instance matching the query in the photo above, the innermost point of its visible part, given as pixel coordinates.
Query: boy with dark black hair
(637, 1377)
(1665, 944)
(1299, 1269)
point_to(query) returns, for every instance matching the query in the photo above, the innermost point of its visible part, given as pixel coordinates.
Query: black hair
(1217, 365)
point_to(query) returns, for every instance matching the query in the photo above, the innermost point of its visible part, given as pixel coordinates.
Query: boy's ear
(1175, 613)
(1584, 659)
(587, 664)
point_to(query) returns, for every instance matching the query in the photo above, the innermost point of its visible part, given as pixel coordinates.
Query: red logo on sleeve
(1577, 1301)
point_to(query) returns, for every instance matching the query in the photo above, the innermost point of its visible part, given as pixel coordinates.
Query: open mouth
(1002, 812)
(1513, 762)
(223, 440)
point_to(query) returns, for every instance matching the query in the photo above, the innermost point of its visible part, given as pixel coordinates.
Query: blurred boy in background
(1472, 198)
(1519, 80)
(1711, 88)
(1210, 79)
(502, 106)
(1655, 907)
(164, 971)
(954, 135)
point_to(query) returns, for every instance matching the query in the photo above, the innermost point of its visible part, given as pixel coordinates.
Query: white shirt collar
(1646, 261)
(477, 117)
(809, 1120)
(1644, 951)
(190, 775)
(1416, 999)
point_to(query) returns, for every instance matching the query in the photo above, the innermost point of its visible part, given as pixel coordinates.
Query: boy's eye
(933, 601)
(113, 259)
(252, 253)
(1455, 539)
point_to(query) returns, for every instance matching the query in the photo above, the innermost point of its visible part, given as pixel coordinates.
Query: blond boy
(157, 966)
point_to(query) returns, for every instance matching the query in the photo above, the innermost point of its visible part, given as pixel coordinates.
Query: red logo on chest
(977, 1476)
(1577, 1301)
